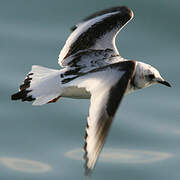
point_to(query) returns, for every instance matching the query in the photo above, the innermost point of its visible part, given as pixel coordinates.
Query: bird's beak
(162, 81)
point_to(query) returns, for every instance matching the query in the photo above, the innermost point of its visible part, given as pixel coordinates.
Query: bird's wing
(97, 32)
(90, 59)
(107, 87)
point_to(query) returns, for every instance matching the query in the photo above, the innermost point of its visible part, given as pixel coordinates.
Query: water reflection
(25, 165)
(123, 155)
(177, 131)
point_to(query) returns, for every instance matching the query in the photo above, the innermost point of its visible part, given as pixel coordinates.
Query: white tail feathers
(41, 85)
(45, 84)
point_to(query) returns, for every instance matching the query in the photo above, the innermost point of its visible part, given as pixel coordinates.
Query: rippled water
(45, 142)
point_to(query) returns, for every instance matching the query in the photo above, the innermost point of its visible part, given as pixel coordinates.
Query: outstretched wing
(107, 87)
(97, 32)
(85, 61)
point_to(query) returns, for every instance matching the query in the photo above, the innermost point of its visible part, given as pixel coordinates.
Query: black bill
(164, 83)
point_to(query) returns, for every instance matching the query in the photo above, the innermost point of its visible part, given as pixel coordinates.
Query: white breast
(76, 93)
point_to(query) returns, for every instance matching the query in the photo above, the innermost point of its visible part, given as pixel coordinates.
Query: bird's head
(146, 75)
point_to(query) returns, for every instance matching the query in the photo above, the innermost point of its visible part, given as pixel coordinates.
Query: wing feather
(106, 95)
(96, 14)
(98, 31)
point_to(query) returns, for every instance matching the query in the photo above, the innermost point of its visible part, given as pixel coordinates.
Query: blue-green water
(45, 142)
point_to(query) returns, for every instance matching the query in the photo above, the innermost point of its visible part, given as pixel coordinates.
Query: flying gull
(92, 68)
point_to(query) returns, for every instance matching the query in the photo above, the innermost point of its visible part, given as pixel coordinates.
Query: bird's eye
(151, 76)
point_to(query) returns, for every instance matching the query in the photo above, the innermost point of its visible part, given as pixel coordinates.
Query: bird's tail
(42, 85)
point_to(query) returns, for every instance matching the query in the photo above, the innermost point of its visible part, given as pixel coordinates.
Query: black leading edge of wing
(104, 25)
(102, 12)
(95, 139)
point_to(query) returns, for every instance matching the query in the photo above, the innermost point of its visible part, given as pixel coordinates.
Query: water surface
(45, 142)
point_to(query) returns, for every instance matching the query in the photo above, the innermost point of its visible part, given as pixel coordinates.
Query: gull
(92, 68)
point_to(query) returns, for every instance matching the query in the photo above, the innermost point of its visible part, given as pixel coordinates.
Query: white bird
(92, 68)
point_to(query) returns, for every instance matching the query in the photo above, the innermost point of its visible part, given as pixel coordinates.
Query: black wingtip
(124, 9)
(15, 96)
(23, 92)
(73, 28)
(87, 171)
(22, 95)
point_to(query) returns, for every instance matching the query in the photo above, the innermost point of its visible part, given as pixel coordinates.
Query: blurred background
(45, 142)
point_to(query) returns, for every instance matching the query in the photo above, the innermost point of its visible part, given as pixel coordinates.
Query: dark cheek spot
(151, 76)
